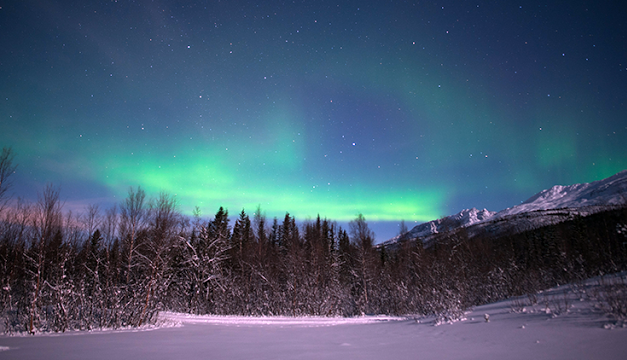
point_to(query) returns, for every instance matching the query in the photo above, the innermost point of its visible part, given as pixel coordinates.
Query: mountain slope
(464, 218)
(610, 191)
(549, 206)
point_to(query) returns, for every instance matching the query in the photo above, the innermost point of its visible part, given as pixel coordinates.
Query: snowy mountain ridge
(609, 191)
(550, 206)
(464, 218)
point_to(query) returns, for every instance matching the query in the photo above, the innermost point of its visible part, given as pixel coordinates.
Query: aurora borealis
(398, 110)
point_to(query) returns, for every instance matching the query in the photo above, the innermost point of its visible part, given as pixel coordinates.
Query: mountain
(610, 191)
(551, 206)
(464, 218)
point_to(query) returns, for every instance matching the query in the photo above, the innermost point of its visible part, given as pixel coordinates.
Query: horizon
(390, 228)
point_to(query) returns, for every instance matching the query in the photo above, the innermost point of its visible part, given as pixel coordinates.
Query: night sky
(395, 109)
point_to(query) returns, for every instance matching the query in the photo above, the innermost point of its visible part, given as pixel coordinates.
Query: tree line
(119, 267)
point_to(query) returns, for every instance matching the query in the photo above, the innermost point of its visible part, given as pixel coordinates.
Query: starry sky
(400, 110)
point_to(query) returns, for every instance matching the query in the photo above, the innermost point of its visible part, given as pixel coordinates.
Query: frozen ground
(517, 330)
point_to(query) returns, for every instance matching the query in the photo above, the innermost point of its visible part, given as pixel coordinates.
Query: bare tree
(73, 228)
(48, 216)
(92, 219)
(47, 224)
(6, 170)
(18, 220)
(110, 224)
(14, 232)
(132, 213)
(163, 219)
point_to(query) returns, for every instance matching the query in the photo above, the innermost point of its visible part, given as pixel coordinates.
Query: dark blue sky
(395, 109)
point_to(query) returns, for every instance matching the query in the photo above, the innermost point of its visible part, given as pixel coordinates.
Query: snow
(565, 323)
(563, 201)
(313, 321)
(610, 191)
(472, 216)
(464, 218)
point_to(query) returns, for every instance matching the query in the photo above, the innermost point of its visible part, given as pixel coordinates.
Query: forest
(121, 266)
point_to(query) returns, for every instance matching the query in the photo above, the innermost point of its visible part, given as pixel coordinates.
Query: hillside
(550, 206)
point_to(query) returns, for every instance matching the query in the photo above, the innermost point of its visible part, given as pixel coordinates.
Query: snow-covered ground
(564, 323)
(313, 321)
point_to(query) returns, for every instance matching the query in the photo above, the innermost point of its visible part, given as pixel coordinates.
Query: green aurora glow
(404, 111)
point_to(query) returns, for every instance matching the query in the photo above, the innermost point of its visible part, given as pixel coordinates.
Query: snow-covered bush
(611, 295)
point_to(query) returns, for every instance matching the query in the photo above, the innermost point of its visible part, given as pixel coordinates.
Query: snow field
(312, 321)
(561, 323)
